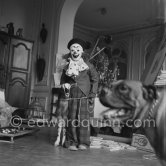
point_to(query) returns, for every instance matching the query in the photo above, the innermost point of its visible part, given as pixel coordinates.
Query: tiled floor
(37, 150)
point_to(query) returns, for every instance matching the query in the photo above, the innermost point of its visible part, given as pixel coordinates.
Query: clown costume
(82, 79)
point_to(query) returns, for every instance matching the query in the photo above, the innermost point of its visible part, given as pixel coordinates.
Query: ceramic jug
(10, 27)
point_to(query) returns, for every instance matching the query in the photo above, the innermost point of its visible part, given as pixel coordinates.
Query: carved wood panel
(15, 69)
(19, 73)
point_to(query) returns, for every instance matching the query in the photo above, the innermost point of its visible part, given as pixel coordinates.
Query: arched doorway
(66, 26)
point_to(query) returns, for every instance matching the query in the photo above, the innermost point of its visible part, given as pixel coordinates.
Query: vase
(10, 27)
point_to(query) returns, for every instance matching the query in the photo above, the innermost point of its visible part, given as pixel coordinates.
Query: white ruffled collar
(75, 67)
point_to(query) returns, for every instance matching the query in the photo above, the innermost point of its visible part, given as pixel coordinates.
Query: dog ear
(150, 92)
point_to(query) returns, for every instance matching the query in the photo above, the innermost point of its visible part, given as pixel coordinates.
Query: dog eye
(123, 88)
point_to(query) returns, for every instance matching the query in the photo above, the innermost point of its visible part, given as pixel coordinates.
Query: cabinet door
(18, 82)
(4, 43)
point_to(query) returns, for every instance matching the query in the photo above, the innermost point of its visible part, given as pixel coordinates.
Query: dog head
(127, 99)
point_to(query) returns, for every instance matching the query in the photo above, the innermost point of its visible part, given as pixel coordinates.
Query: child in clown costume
(82, 79)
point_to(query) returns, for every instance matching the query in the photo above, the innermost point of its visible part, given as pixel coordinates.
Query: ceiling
(118, 15)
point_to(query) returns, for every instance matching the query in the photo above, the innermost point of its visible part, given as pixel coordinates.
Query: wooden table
(11, 135)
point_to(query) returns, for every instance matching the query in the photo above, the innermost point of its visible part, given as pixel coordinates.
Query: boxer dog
(131, 101)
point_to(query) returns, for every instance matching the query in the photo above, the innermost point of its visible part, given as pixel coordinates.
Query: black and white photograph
(83, 82)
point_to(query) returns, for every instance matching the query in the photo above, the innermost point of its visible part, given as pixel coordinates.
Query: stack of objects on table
(8, 127)
(161, 78)
(11, 132)
(98, 142)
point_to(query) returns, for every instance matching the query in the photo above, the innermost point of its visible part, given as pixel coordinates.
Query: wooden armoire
(15, 69)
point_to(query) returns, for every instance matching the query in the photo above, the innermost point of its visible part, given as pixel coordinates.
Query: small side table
(11, 134)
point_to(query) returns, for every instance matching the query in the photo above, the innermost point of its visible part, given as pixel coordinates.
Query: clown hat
(77, 41)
